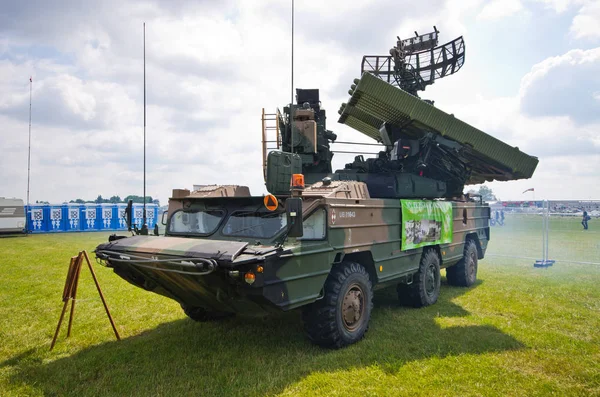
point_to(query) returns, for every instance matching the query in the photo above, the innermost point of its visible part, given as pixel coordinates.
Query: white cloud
(68, 101)
(586, 23)
(564, 85)
(497, 9)
(558, 6)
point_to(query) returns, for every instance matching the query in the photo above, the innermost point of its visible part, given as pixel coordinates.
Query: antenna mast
(292, 88)
(29, 150)
(144, 225)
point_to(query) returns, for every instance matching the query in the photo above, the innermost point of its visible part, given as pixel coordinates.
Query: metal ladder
(270, 123)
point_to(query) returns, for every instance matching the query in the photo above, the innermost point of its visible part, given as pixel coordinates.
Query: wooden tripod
(70, 293)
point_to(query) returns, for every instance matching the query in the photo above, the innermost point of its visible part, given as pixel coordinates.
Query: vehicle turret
(424, 152)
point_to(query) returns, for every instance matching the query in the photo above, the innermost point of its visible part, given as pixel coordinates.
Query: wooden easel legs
(70, 294)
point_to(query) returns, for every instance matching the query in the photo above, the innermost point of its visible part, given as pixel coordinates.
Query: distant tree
(116, 199)
(138, 199)
(156, 201)
(485, 192)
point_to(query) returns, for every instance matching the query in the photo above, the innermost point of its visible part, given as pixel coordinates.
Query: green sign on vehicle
(425, 223)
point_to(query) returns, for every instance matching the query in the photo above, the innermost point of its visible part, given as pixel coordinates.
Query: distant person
(502, 217)
(585, 220)
(497, 215)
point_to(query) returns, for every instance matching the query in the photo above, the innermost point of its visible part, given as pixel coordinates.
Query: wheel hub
(430, 281)
(353, 307)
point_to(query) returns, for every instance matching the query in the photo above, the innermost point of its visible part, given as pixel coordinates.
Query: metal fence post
(545, 262)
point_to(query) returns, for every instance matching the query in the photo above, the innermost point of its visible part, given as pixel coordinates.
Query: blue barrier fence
(58, 218)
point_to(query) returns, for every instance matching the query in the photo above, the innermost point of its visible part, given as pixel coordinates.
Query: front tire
(464, 273)
(342, 316)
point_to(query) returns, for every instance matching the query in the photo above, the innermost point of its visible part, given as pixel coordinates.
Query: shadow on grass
(13, 235)
(241, 356)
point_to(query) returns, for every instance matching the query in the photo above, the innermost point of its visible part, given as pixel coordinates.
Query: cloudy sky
(531, 78)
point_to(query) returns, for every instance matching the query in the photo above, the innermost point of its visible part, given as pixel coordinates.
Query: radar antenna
(415, 63)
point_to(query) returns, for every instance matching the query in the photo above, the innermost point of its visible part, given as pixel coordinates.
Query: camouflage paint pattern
(290, 273)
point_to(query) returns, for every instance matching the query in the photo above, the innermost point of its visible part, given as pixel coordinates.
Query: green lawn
(519, 331)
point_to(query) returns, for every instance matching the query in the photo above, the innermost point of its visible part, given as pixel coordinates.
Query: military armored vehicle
(323, 240)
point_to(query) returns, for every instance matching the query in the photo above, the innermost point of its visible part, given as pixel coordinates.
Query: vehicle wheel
(200, 314)
(342, 316)
(464, 273)
(425, 289)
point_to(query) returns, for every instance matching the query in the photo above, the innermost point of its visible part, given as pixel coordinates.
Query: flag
(528, 190)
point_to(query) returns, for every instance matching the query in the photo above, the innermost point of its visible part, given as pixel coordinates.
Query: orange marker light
(259, 269)
(270, 202)
(298, 181)
(250, 278)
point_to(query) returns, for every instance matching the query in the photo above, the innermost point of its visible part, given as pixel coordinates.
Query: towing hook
(210, 266)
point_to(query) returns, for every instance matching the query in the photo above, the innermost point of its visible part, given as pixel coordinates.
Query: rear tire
(464, 273)
(342, 316)
(202, 315)
(425, 289)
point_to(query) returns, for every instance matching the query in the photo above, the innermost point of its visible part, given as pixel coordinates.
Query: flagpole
(532, 190)
(292, 88)
(29, 149)
(144, 225)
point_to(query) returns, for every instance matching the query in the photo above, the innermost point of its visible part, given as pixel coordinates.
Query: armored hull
(264, 271)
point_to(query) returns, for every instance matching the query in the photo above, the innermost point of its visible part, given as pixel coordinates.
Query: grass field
(519, 331)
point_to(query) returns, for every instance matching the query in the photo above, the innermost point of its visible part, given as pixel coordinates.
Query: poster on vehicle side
(425, 223)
